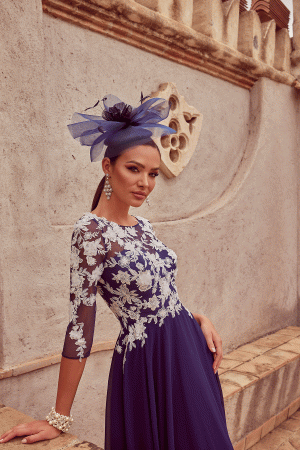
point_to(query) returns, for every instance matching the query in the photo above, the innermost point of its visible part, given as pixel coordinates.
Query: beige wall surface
(231, 215)
(35, 393)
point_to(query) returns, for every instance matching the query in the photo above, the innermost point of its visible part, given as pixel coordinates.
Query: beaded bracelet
(59, 421)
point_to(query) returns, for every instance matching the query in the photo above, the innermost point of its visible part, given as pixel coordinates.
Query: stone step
(284, 437)
(261, 384)
(274, 431)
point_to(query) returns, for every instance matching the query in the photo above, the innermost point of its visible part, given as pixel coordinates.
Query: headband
(120, 126)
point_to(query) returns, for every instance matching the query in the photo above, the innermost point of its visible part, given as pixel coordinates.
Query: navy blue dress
(162, 390)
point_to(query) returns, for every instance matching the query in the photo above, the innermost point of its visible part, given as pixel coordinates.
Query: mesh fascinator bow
(120, 126)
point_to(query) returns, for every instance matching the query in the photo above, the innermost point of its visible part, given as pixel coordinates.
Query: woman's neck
(114, 211)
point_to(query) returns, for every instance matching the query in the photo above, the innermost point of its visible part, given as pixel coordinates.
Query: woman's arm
(69, 376)
(87, 255)
(213, 340)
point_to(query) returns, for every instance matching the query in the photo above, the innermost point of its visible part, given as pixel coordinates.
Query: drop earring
(148, 201)
(107, 187)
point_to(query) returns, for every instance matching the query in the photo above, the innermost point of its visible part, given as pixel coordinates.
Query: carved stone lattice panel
(177, 149)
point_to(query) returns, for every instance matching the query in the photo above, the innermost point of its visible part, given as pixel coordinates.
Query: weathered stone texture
(208, 18)
(267, 52)
(249, 41)
(295, 56)
(231, 215)
(231, 12)
(179, 10)
(24, 259)
(283, 51)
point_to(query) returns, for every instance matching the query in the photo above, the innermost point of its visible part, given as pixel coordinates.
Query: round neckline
(110, 221)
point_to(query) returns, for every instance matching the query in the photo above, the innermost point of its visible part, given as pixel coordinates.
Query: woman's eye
(154, 174)
(133, 169)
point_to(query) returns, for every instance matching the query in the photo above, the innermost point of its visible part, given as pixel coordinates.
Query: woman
(163, 390)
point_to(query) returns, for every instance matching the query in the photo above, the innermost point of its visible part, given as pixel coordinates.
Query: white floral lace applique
(133, 271)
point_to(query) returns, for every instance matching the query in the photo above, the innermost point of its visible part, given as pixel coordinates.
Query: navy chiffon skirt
(166, 397)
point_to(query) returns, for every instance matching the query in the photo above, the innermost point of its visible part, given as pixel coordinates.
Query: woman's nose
(143, 181)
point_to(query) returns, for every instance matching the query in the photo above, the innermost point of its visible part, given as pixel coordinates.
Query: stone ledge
(260, 383)
(233, 360)
(10, 417)
(148, 30)
(40, 363)
(259, 359)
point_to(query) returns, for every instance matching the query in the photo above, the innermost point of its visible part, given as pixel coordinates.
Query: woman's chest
(139, 264)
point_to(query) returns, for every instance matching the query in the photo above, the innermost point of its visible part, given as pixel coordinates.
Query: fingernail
(1, 440)
(213, 349)
(24, 441)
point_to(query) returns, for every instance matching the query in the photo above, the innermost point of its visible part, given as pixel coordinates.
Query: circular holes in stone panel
(183, 142)
(173, 102)
(174, 124)
(165, 141)
(174, 155)
(174, 141)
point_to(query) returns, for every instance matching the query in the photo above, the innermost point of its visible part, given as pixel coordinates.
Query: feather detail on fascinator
(121, 126)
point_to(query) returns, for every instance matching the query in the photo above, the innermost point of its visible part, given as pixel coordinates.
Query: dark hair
(102, 182)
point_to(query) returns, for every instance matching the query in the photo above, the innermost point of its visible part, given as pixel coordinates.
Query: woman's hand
(39, 430)
(213, 340)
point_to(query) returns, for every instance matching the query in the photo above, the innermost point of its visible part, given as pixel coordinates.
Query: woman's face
(133, 175)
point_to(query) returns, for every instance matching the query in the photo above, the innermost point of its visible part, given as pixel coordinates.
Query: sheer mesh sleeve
(87, 256)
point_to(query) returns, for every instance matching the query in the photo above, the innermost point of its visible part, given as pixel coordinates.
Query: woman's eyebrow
(140, 165)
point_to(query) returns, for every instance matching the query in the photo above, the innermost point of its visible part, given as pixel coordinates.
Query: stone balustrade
(295, 56)
(179, 10)
(208, 35)
(244, 32)
(223, 22)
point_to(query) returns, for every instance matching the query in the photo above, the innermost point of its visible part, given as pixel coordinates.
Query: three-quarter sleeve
(87, 258)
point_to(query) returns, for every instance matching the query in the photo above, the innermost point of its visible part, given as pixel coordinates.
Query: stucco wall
(231, 216)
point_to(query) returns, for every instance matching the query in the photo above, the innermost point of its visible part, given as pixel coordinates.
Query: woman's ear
(106, 165)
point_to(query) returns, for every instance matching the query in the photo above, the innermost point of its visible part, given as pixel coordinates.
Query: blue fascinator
(121, 126)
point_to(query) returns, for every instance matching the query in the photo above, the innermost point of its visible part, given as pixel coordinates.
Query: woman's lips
(139, 195)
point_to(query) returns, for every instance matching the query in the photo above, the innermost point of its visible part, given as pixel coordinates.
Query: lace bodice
(133, 271)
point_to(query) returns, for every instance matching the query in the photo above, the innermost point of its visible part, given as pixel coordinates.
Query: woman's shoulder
(142, 220)
(89, 223)
(145, 223)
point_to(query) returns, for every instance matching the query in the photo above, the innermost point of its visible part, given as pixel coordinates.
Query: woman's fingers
(213, 340)
(35, 437)
(211, 344)
(18, 430)
(215, 346)
(5, 437)
(33, 431)
(218, 356)
(214, 343)
(207, 329)
(8, 436)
